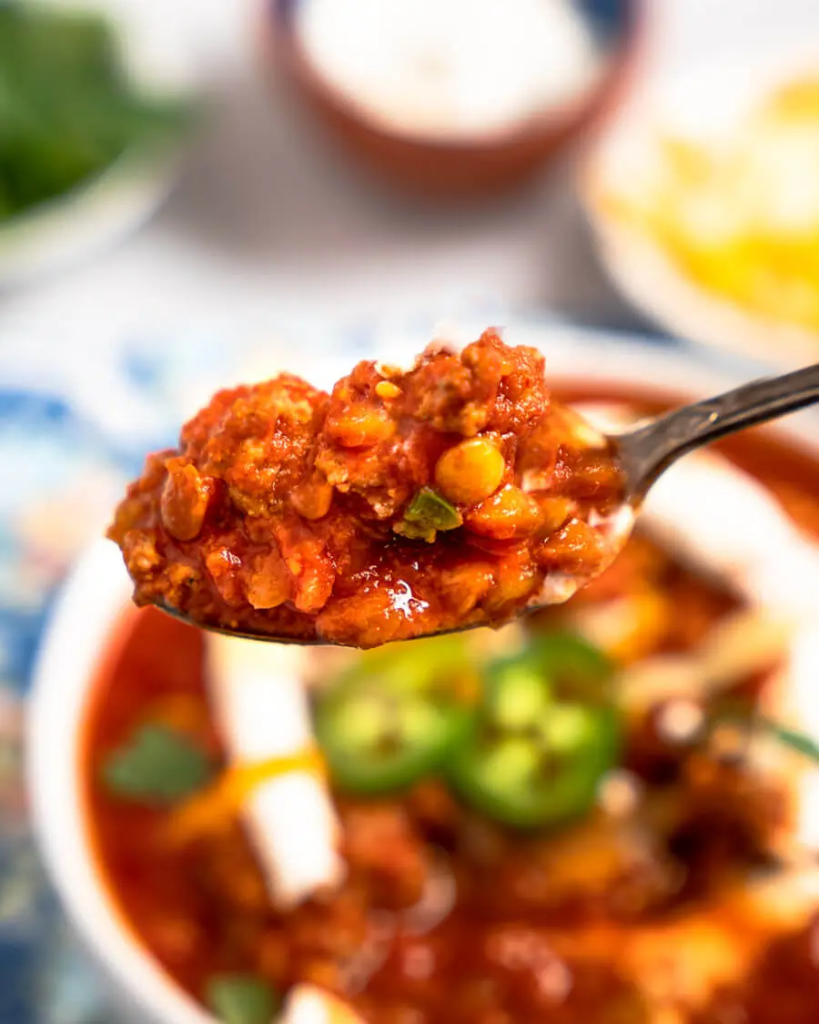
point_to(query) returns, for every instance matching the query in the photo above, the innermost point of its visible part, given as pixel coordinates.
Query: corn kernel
(360, 426)
(269, 584)
(388, 370)
(470, 471)
(386, 389)
(556, 512)
(516, 579)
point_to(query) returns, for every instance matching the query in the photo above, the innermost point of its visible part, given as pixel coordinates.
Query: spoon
(644, 452)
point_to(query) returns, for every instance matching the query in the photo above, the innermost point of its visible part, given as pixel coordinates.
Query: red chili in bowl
(594, 922)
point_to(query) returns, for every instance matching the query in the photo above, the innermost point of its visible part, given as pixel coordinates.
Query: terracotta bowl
(467, 167)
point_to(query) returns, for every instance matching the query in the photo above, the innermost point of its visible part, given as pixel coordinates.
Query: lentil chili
(560, 925)
(403, 503)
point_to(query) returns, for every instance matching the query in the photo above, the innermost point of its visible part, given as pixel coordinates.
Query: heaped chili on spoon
(454, 494)
(389, 722)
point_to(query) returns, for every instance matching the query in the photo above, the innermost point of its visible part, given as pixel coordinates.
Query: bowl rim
(88, 619)
(93, 214)
(86, 624)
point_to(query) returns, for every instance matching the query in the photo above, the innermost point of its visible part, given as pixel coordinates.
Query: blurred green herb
(797, 741)
(67, 107)
(242, 999)
(157, 766)
(742, 713)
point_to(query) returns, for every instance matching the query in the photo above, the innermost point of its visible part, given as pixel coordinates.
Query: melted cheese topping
(740, 216)
(207, 811)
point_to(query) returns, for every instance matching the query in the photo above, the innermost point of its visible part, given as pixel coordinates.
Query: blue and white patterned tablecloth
(73, 427)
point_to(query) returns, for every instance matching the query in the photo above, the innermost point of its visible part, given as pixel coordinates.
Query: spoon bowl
(557, 589)
(643, 453)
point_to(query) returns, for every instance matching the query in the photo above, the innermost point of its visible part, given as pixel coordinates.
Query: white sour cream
(449, 68)
(725, 522)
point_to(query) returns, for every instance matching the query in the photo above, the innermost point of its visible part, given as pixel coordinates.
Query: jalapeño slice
(541, 776)
(426, 514)
(391, 720)
(576, 669)
(546, 733)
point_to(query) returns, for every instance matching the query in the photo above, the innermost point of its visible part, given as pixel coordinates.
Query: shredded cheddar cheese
(208, 810)
(740, 218)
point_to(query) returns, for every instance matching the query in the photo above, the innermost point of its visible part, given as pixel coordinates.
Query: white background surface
(269, 221)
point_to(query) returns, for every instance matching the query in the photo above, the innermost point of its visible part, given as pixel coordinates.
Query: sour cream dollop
(450, 68)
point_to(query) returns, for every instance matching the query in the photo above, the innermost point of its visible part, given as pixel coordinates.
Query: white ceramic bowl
(701, 101)
(97, 595)
(95, 214)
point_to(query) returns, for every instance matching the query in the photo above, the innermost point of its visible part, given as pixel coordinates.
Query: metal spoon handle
(649, 450)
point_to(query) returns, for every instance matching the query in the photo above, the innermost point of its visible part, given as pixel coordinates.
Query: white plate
(96, 214)
(703, 101)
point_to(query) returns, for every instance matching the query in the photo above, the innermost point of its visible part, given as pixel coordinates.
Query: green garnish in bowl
(156, 766)
(242, 999)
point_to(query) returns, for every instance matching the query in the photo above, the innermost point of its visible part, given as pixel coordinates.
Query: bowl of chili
(516, 709)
